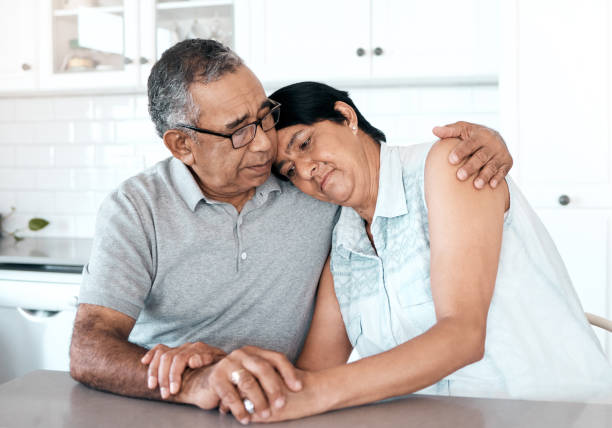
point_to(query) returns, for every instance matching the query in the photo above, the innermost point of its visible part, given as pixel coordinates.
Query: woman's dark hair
(310, 102)
(306, 103)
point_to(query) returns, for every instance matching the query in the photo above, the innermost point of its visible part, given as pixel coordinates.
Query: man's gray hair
(189, 61)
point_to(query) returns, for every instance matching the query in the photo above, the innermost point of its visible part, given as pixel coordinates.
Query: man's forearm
(104, 361)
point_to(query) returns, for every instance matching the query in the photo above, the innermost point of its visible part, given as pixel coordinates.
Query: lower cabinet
(583, 238)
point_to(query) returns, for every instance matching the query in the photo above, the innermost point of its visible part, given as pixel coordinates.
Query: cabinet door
(89, 47)
(18, 36)
(309, 40)
(435, 39)
(164, 23)
(583, 240)
(563, 101)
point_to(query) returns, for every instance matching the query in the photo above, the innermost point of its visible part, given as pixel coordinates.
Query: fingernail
(197, 360)
(454, 158)
(280, 402)
(174, 387)
(164, 392)
(494, 183)
(245, 421)
(462, 174)
(479, 183)
(298, 384)
(265, 414)
(151, 382)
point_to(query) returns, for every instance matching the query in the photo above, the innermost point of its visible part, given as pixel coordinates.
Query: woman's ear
(180, 145)
(349, 114)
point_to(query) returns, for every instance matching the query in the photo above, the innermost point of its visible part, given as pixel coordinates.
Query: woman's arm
(327, 344)
(465, 236)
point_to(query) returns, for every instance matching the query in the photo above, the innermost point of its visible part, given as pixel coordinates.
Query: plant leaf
(37, 224)
(18, 238)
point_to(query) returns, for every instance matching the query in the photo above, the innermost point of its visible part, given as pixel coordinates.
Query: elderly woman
(440, 288)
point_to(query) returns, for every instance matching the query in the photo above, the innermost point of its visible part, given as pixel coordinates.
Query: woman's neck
(366, 205)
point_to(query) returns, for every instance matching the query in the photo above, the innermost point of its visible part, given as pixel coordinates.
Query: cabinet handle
(127, 60)
(564, 200)
(144, 60)
(361, 52)
(378, 51)
(26, 67)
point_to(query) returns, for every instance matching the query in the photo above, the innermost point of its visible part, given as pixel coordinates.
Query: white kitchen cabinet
(89, 47)
(59, 45)
(164, 23)
(314, 40)
(583, 238)
(556, 98)
(435, 39)
(374, 39)
(18, 43)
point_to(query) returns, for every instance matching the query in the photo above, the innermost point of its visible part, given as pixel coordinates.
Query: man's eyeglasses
(243, 136)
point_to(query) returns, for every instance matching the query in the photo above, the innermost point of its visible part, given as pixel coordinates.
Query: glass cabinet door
(188, 19)
(88, 36)
(89, 44)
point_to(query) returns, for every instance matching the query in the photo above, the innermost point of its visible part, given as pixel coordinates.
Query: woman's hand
(483, 150)
(166, 365)
(309, 401)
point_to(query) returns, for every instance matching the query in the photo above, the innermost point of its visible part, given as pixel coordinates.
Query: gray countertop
(45, 251)
(52, 399)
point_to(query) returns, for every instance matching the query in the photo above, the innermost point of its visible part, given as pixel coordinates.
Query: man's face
(226, 105)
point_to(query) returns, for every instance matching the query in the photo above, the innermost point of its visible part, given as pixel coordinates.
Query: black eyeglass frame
(259, 122)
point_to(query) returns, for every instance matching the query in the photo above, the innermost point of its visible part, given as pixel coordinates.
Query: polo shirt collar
(190, 192)
(185, 184)
(391, 200)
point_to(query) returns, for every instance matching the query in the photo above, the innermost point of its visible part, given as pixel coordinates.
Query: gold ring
(236, 375)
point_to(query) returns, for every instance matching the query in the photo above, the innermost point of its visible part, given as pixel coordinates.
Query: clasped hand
(217, 380)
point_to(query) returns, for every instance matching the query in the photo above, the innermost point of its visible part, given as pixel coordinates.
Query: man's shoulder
(147, 183)
(142, 190)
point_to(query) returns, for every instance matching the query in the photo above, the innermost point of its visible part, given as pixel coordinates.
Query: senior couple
(216, 283)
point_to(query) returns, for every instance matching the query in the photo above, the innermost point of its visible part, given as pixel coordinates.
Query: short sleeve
(121, 268)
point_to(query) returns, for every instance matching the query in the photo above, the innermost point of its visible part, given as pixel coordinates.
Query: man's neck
(238, 200)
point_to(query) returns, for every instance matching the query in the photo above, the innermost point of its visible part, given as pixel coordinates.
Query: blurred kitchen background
(74, 120)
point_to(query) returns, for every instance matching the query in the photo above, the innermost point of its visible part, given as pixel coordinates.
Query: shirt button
(243, 256)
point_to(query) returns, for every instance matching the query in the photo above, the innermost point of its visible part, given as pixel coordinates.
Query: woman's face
(323, 160)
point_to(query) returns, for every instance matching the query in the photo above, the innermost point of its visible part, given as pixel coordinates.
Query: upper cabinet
(101, 44)
(435, 38)
(89, 44)
(317, 39)
(18, 42)
(374, 39)
(166, 22)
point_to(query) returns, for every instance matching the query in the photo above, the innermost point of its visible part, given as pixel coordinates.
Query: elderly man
(207, 246)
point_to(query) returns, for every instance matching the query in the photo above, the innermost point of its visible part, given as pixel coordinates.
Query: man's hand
(166, 365)
(483, 150)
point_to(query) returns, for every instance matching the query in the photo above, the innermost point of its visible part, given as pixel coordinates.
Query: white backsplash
(60, 156)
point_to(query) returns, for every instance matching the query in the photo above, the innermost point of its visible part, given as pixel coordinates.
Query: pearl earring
(354, 128)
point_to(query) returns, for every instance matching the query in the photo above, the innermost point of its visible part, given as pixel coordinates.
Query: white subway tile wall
(61, 155)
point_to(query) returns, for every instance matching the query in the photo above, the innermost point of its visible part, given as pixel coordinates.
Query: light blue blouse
(539, 344)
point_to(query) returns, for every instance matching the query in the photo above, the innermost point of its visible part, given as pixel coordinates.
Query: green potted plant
(34, 224)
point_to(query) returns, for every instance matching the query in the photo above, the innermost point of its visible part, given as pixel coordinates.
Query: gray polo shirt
(188, 268)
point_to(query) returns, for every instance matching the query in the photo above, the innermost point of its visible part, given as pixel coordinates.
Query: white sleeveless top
(539, 344)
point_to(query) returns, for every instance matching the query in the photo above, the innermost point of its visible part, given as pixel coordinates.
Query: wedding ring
(235, 376)
(248, 405)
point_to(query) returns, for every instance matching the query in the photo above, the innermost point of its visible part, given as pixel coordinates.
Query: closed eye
(305, 144)
(290, 173)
